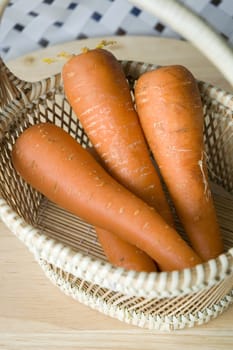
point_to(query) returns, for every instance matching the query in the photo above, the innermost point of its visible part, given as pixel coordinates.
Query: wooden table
(34, 314)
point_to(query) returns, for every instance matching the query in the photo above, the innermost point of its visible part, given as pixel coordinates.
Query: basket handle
(192, 27)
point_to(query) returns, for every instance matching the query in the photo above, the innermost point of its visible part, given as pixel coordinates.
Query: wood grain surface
(34, 314)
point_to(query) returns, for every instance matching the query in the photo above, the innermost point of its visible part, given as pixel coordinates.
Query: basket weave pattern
(67, 248)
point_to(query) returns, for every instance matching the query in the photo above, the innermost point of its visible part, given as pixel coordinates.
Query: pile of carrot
(115, 186)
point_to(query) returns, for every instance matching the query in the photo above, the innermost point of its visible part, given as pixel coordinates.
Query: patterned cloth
(29, 25)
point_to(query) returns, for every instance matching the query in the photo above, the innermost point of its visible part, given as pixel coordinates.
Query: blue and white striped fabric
(28, 25)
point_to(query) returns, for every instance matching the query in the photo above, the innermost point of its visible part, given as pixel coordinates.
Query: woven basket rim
(140, 319)
(154, 284)
(37, 88)
(142, 284)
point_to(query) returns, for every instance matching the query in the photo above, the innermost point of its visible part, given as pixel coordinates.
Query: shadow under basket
(67, 249)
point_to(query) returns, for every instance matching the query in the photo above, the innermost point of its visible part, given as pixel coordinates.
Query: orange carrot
(99, 94)
(170, 110)
(123, 254)
(52, 162)
(119, 252)
(97, 89)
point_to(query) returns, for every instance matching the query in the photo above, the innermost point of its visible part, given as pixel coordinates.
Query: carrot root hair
(207, 192)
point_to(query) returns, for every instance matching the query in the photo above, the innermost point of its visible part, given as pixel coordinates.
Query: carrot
(52, 162)
(97, 90)
(123, 254)
(170, 110)
(119, 252)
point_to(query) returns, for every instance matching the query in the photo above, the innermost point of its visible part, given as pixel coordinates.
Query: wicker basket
(66, 247)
